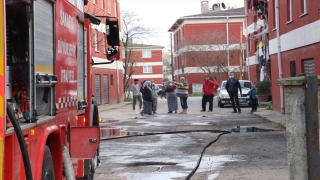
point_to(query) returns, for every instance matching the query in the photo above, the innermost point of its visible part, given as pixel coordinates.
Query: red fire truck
(49, 123)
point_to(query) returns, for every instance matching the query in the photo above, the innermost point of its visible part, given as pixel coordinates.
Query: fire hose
(23, 147)
(180, 132)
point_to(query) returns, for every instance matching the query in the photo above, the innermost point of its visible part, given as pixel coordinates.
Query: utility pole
(172, 70)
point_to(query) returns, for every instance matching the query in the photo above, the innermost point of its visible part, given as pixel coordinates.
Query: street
(244, 155)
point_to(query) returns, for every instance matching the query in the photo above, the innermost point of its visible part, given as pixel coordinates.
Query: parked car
(223, 96)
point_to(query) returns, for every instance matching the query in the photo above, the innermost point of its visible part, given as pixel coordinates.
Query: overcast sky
(161, 14)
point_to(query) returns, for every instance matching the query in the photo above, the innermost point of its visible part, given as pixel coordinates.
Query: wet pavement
(257, 146)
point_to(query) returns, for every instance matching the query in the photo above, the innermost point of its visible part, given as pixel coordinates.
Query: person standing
(163, 91)
(182, 92)
(208, 88)
(154, 98)
(172, 99)
(253, 98)
(147, 99)
(136, 95)
(232, 87)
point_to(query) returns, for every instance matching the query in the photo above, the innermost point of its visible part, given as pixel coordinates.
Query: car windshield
(224, 85)
(243, 84)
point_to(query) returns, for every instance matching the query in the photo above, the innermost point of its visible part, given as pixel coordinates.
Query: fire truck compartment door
(84, 142)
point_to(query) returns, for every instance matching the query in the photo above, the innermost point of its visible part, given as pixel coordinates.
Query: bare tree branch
(133, 33)
(208, 51)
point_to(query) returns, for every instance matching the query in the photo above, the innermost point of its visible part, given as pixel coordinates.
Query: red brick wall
(114, 97)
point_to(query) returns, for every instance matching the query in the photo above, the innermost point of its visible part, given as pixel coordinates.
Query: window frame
(111, 79)
(149, 69)
(102, 5)
(289, 11)
(96, 48)
(303, 7)
(146, 55)
(109, 6)
(293, 68)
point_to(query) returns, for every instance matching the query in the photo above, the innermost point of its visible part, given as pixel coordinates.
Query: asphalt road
(245, 155)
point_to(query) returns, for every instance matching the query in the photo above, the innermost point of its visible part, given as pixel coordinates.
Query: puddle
(243, 129)
(151, 164)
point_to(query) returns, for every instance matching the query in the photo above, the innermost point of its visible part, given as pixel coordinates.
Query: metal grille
(43, 36)
(98, 92)
(308, 66)
(105, 86)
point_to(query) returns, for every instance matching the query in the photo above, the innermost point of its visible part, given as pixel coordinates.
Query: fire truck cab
(49, 123)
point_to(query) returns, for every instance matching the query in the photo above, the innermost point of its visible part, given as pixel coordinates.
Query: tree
(209, 52)
(133, 33)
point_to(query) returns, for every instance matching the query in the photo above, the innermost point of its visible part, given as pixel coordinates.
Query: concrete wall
(294, 91)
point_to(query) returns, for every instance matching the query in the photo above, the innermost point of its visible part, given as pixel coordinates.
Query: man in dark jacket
(232, 87)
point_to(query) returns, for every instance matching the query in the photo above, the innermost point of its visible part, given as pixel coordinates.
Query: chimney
(216, 7)
(204, 7)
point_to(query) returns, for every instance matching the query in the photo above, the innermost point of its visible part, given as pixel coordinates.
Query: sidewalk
(271, 115)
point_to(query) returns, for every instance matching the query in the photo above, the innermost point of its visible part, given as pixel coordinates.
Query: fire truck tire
(47, 165)
(95, 118)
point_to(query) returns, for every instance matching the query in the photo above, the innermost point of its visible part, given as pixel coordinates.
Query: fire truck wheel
(47, 165)
(89, 176)
(95, 119)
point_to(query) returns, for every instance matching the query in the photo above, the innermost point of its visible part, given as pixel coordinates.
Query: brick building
(147, 62)
(211, 43)
(107, 84)
(292, 40)
(299, 42)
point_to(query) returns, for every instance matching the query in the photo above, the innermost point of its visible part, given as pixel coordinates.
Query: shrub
(263, 87)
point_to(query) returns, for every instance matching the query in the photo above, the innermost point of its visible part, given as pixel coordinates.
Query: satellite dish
(216, 4)
(223, 5)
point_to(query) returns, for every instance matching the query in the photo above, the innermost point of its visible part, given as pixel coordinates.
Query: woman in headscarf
(154, 98)
(172, 99)
(147, 99)
(182, 92)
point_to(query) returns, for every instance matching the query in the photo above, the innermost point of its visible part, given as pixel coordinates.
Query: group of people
(147, 95)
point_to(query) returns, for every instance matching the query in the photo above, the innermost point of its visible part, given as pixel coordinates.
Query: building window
(308, 67)
(147, 69)
(115, 8)
(123, 54)
(111, 79)
(146, 54)
(249, 43)
(274, 15)
(102, 4)
(289, 10)
(109, 6)
(96, 40)
(303, 6)
(292, 68)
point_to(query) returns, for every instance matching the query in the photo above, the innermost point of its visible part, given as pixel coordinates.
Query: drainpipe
(228, 58)
(247, 46)
(279, 54)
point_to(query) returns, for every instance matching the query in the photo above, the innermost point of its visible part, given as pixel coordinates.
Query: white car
(223, 96)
